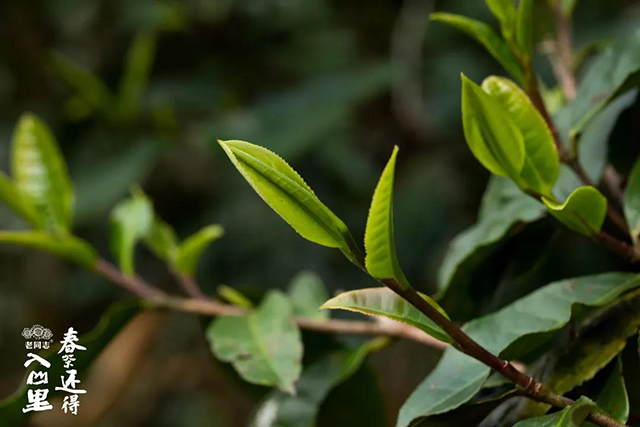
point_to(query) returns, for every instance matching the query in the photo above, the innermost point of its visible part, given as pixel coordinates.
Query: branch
(208, 307)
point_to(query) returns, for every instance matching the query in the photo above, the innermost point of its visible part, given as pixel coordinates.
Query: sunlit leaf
(190, 251)
(131, 221)
(486, 36)
(379, 240)
(571, 416)
(512, 332)
(491, 133)
(264, 347)
(110, 324)
(307, 294)
(632, 203)
(41, 175)
(584, 210)
(66, 246)
(541, 164)
(10, 195)
(286, 193)
(383, 302)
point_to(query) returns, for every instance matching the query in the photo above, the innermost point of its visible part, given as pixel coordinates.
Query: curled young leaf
(584, 210)
(486, 36)
(189, 252)
(385, 303)
(379, 240)
(541, 161)
(289, 196)
(68, 247)
(40, 174)
(130, 222)
(491, 133)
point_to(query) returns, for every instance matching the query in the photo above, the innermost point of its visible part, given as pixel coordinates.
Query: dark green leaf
(584, 210)
(136, 75)
(613, 398)
(66, 246)
(264, 347)
(189, 252)
(307, 294)
(40, 174)
(379, 239)
(486, 36)
(385, 303)
(511, 332)
(111, 323)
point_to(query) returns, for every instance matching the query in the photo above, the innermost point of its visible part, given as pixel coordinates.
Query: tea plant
(540, 167)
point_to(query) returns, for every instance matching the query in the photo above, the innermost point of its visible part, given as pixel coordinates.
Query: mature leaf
(511, 332)
(613, 72)
(89, 88)
(136, 75)
(10, 195)
(492, 135)
(161, 239)
(584, 210)
(504, 208)
(40, 173)
(379, 239)
(68, 247)
(286, 193)
(264, 347)
(111, 323)
(541, 164)
(571, 416)
(486, 36)
(632, 203)
(385, 303)
(234, 297)
(505, 12)
(613, 398)
(189, 252)
(524, 27)
(131, 221)
(315, 383)
(307, 294)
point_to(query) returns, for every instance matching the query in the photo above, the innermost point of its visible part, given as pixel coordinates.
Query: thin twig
(208, 307)
(189, 285)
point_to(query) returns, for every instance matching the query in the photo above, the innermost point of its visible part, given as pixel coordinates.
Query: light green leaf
(486, 36)
(88, 87)
(571, 416)
(383, 302)
(379, 239)
(632, 203)
(10, 195)
(524, 27)
(491, 133)
(584, 210)
(68, 247)
(161, 239)
(131, 221)
(286, 193)
(613, 398)
(505, 12)
(40, 173)
(504, 209)
(541, 164)
(279, 409)
(512, 332)
(234, 297)
(136, 75)
(307, 294)
(111, 323)
(189, 252)
(612, 73)
(265, 347)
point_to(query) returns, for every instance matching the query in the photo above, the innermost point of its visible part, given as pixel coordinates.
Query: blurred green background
(137, 92)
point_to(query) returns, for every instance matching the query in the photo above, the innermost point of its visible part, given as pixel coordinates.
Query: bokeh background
(137, 92)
